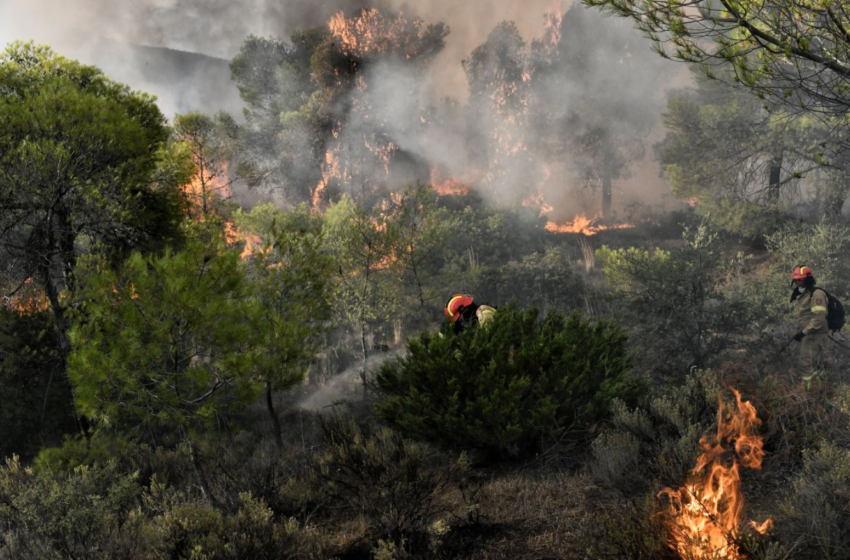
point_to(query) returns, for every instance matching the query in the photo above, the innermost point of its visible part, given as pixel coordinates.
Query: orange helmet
(802, 272)
(455, 306)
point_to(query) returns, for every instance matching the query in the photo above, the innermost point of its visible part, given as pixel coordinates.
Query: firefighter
(811, 319)
(463, 312)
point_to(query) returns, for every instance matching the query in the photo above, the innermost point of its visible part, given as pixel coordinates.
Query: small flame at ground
(703, 518)
(584, 225)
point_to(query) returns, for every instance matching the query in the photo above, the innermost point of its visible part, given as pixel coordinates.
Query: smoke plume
(179, 50)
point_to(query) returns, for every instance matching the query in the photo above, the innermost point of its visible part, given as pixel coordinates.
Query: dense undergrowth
(191, 380)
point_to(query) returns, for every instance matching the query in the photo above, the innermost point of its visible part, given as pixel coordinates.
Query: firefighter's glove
(799, 336)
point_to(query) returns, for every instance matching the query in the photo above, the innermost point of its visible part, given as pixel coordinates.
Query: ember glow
(584, 225)
(29, 300)
(703, 518)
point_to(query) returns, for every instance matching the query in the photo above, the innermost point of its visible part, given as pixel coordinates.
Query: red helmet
(455, 306)
(802, 272)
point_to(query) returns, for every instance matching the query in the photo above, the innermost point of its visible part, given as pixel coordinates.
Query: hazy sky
(218, 27)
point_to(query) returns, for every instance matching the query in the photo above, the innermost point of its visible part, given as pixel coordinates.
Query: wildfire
(584, 225)
(207, 186)
(234, 235)
(29, 300)
(704, 516)
(447, 186)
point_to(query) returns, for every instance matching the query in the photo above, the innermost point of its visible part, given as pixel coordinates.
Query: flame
(703, 517)
(29, 300)
(233, 235)
(584, 225)
(215, 184)
(447, 186)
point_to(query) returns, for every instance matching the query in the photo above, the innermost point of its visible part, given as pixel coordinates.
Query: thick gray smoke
(179, 50)
(103, 32)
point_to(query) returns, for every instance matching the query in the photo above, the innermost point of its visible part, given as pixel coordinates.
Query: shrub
(658, 441)
(399, 487)
(185, 529)
(685, 308)
(86, 513)
(506, 387)
(819, 508)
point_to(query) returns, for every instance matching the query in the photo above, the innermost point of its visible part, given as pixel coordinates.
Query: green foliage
(79, 154)
(507, 387)
(823, 246)
(819, 508)
(361, 245)
(165, 339)
(101, 513)
(761, 43)
(201, 138)
(418, 230)
(85, 513)
(81, 450)
(291, 273)
(683, 303)
(37, 406)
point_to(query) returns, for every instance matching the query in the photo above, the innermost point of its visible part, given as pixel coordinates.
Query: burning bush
(508, 387)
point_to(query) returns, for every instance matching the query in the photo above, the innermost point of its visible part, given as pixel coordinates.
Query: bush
(400, 488)
(658, 441)
(507, 387)
(102, 513)
(185, 529)
(86, 513)
(819, 508)
(685, 303)
(545, 280)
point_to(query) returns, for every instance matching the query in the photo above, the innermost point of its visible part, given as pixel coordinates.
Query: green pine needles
(511, 386)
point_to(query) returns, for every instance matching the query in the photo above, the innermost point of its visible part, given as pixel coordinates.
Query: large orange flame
(703, 518)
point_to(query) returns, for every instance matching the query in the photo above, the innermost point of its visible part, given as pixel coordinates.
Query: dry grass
(527, 516)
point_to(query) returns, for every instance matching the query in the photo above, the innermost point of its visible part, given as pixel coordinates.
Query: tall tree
(726, 150)
(794, 52)
(292, 272)
(78, 155)
(205, 143)
(360, 243)
(595, 99)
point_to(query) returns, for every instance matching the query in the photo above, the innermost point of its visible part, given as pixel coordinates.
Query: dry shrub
(656, 442)
(399, 488)
(818, 512)
(625, 530)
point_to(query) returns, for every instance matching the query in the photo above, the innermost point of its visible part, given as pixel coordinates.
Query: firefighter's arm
(819, 306)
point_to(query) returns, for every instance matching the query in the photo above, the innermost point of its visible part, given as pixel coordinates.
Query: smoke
(100, 32)
(179, 50)
(345, 385)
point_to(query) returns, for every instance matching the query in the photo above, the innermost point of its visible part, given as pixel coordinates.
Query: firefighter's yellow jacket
(485, 313)
(811, 312)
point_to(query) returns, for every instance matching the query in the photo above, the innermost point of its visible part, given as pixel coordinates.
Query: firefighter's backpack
(834, 312)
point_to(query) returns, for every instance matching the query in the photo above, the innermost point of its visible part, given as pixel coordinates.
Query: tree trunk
(774, 179)
(606, 194)
(278, 433)
(199, 472)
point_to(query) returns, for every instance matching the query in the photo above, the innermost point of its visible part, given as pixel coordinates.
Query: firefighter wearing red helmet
(462, 311)
(812, 304)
